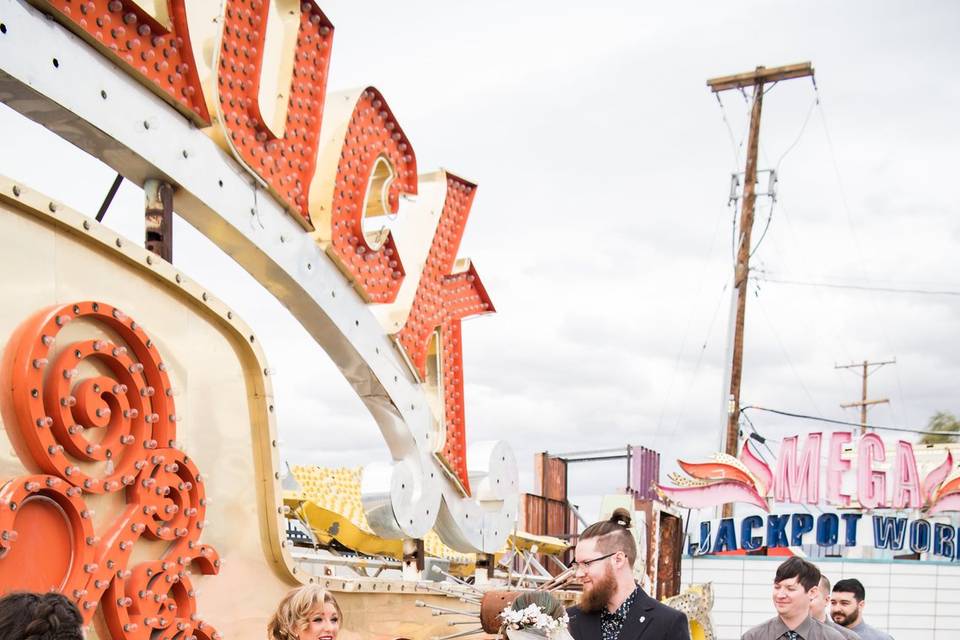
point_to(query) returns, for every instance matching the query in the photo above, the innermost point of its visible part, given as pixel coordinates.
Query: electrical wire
(690, 318)
(703, 349)
(856, 287)
(766, 227)
(803, 128)
(733, 144)
(853, 231)
(786, 356)
(791, 414)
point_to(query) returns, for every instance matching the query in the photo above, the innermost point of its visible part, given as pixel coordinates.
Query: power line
(803, 416)
(859, 287)
(786, 356)
(853, 231)
(687, 329)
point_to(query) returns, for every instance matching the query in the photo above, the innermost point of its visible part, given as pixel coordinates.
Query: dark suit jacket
(647, 619)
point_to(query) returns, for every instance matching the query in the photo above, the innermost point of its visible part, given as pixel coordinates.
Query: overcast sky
(601, 227)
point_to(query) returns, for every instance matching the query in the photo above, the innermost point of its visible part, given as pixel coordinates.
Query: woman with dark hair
(39, 616)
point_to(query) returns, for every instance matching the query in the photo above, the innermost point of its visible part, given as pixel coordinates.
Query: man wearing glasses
(612, 606)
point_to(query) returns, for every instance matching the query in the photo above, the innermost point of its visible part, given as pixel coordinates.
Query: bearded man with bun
(613, 606)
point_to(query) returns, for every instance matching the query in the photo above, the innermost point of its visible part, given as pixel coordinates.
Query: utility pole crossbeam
(864, 403)
(756, 79)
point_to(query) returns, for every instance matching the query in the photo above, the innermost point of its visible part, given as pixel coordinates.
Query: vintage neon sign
(328, 169)
(846, 530)
(883, 480)
(864, 478)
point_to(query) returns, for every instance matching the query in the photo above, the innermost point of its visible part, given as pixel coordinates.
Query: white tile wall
(910, 600)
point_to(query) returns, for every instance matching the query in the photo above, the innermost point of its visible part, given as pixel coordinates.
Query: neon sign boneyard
(865, 478)
(330, 164)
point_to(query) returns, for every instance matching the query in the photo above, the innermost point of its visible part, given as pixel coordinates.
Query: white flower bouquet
(535, 616)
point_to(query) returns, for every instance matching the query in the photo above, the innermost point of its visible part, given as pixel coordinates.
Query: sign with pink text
(837, 470)
(856, 482)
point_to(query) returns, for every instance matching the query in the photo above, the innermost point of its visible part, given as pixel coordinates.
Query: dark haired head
(806, 573)
(851, 585)
(35, 616)
(614, 535)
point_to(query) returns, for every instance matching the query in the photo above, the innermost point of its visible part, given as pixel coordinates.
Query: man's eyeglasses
(585, 564)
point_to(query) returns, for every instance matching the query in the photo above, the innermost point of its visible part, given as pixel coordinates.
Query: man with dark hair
(818, 609)
(612, 606)
(794, 586)
(846, 607)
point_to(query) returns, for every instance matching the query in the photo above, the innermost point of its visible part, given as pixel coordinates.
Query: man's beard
(599, 594)
(845, 620)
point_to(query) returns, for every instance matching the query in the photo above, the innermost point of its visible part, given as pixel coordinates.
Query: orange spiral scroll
(113, 431)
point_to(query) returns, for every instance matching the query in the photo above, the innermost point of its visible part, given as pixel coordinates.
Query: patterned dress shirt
(612, 623)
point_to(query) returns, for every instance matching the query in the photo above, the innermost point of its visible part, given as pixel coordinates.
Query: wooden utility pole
(864, 403)
(756, 79)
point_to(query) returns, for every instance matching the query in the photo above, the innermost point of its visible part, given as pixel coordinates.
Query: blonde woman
(306, 613)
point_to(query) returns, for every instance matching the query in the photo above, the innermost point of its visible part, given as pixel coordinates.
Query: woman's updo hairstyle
(36, 616)
(613, 534)
(293, 613)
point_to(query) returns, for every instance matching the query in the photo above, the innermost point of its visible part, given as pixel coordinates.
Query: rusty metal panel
(550, 476)
(557, 518)
(669, 555)
(532, 513)
(555, 479)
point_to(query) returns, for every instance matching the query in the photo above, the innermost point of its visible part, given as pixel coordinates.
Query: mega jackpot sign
(868, 494)
(142, 455)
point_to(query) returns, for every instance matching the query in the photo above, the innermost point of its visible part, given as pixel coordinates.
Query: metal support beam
(109, 198)
(159, 218)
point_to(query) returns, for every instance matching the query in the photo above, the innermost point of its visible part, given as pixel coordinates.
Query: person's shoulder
(881, 635)
(872, 633)
(667, 610)
(847, 634)
(830, 632)
(573, 613)
(758, 632)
